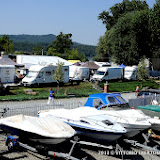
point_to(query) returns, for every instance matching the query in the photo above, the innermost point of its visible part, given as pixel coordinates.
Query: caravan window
(40, 74)
(48, 73)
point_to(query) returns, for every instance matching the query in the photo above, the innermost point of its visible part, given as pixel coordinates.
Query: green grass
(81, 90)
(18, 94)
(129, 86)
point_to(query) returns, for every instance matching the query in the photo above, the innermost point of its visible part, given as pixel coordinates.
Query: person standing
(137, 90)
(51, 96)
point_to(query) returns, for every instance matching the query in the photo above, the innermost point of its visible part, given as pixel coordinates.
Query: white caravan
(7, 75)
(78, 73)
(42, 74)
(130, 73)
(108, 73)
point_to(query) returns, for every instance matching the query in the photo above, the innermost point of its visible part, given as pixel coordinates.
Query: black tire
(10, 145)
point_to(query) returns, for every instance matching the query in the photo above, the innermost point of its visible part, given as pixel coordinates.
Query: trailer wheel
(10, 145)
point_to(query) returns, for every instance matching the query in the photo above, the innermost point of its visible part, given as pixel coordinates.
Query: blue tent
(122, 65)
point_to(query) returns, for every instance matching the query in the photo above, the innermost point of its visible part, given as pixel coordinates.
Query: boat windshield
(100, 73)
(112, 100)
(31, 74)
(121, 99)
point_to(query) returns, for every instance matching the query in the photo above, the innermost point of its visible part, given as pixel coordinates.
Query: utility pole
(42, 51)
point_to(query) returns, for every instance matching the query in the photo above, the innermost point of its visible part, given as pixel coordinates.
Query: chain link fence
(142, 101)
(7, 111)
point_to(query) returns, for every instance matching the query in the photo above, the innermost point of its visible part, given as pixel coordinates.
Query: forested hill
(33, 38)
(26, 43)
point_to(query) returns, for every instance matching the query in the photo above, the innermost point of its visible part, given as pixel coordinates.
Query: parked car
(148, 92)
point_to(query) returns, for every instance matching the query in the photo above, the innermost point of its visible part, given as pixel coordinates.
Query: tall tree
(6, 44)
(58, 74)
(128, 38)
(62, 43)
(118, 10)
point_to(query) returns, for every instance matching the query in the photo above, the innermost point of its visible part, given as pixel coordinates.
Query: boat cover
(48, 126)
(155, 108)
(74, 114)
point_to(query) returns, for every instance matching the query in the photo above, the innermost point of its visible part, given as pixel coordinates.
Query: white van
(130, 73)
(40, 74)
(78, 73)
(108, 73)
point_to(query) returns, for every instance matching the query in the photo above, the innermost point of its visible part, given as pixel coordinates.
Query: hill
(26, 43)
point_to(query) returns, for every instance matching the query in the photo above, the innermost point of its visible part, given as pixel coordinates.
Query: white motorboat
(153, 113)
(46, 130)
(89, 123)
(114, 105)
(134, 121)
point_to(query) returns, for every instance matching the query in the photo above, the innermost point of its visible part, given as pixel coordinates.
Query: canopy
(122, 65)
(90, 65)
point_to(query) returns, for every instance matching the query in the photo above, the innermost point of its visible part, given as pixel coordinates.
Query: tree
(154, 25)
(142, 72)
(37, 50)
(128, 37)
(6, 44)
(74, 55)
(118, 10)
(58, 74)
(62, 43)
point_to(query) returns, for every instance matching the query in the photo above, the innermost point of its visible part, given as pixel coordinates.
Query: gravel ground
(80, 151)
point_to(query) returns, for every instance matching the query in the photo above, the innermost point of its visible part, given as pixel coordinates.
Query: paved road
(43, 102)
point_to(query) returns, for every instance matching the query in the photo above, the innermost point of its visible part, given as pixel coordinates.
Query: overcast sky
(39, 17)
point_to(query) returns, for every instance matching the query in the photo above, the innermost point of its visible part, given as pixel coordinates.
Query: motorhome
(78, 73)
(7, 76)
(43, 74)
(130, 73)
(108, 73)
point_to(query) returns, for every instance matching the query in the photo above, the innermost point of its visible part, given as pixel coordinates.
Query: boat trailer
(147, 140)
(12, 142)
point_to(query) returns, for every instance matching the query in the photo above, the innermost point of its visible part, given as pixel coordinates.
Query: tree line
(60, 45)
(132, 32)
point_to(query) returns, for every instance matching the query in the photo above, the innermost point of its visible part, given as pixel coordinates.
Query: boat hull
(98, 136)
(25, 136)
(133, 130)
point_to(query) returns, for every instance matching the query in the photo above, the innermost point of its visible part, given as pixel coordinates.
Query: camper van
(41, 74)
(78, 73)
(7, 76)
(108, 73)
(130, 73)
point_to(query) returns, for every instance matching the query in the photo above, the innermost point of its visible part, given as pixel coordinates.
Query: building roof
(8, 61)
(90, 65)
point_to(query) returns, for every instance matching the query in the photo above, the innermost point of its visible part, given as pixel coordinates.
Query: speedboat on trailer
(132, 120)
(46, 130)
(153, 113)
(114, 105)
(89, 123)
